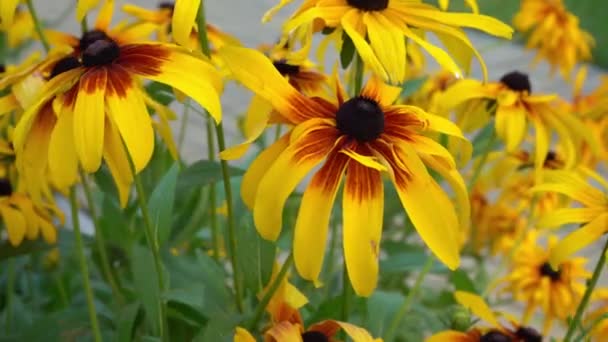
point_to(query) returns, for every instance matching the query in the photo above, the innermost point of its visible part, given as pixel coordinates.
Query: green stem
(259, 310)
(202, 30)
(83, 25)
(100, 241)
(182, 127)
(484, 158)
(576, 321)
(61, 289)
(152, 244)
(358, 78)
(277, 132)
(219, 130)
(346, 294)
(10, 292)
(84, 269)
(38, 25)
(409, 300)
(215, 234)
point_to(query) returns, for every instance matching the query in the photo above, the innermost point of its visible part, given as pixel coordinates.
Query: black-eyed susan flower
(93, 103)
(555, 33)
(162, 18)
(496, 332)
(515, 108)
(358, 139)
(593, 216)
(427, 96)
(21, 27)
(378, 30)
(286, 323)
(555, 291)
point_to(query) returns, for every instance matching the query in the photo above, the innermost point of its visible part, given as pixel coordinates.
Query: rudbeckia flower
(287, 324)
(514, 107)
(593, 215)
(555, 33)
(21, 28)
(495, 333)
(94, 102)
(162, 17)
(24, 218)
(358, 139)
(428, 95)
(532, 280)
(378, 29)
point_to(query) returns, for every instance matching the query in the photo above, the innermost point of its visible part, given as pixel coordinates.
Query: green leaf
(381, 308)
(462, 282)
(411, 86)
(201, 173)
(127, 321)
(483, 138)
(161, 203)
(255, 257)
(348, 51)
(218, 329)
(160, 92)
(407, 262)
(146, 285)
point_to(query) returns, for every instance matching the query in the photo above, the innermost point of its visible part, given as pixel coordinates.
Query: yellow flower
(429, 94)
(600, 303)
(593, 215)
(472, 4)
(93, 103)
(378, 29)
(7, 13)
(514, 107)
(162, 18)
(20, 30)
(555, 32)
(357, 139)
(24, 218)
(496, 332)
(533, 281)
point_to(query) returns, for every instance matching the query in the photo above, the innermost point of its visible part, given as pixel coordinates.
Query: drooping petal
(184, 15)
(428, 207)
(577, 240)
(89, 115)
(285, 331)
(170, 65)
(272, 11)
(83, 7)
(302, 155)
(310, 234)
(255, 71)
(561, 216)
(63, 160)
(242, 335)
(7, 13)
(362, 211)
(105, 16)
(386, 39)
(450, 335)
(381, 92)
(117, 160)
(15, 224)
(477, 305)
(259, 167)
(127, 110)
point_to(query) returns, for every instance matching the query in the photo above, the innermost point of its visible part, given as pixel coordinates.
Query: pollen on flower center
(495, 336)
(101, 52)
(6, 189)
(547, 271)
(65, 64)
(314, 336)
(286, 69)
(517, 81)
(360, 118)
(528, 334)
(91, 37)
(369, 5)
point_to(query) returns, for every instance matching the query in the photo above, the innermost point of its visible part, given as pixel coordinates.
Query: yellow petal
(449, 336)
(383, 93)
(116, 157)
(301, 156)
(89, 116)
(442, 57)
(310, 234)
(285, 331)
(362, 211)
(8, 104)
(577, 240)
(386, 39)
(368, 161)
(477, 305)
(243, 335)
(184, 17)
(356, 333)
(63, 161)
(127, 109)
(15, 224)
(561, 216)
(7, 13)
(105, 15)
(435, 222)
(272, 11)
(258, 168)
(83, 7)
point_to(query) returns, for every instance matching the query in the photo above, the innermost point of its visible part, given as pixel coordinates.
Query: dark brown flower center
(517, 81)
(369, 5)
(2, 68)
(314, 336)
(360, 118)
(547, 271)
(65, 64)
(91, 37)
(100, 52)
(286, 69)
(495, 336)
(6, 189)
(527, 334)
(170, 5)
